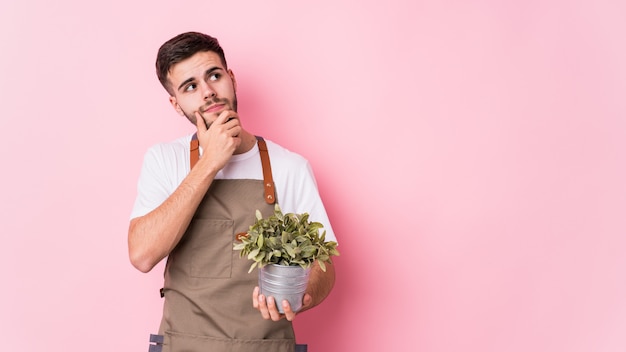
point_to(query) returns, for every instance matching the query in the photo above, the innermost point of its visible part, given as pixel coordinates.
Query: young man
(196, 192)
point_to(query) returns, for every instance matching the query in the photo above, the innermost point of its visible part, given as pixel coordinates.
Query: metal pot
(284, 282)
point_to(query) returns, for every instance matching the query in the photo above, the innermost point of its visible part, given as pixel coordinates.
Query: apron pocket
(210, 248)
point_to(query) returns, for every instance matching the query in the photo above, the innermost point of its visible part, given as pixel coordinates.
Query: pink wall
(471, 155)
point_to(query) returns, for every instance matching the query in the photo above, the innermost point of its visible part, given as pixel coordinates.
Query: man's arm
(319, 287)
(153, 236)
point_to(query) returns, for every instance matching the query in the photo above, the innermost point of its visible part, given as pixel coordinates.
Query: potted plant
(284, 247)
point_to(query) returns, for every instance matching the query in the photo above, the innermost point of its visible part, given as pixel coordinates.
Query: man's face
(201, 83)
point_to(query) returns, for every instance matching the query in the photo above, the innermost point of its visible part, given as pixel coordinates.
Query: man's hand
(269, 310)
(220, 140)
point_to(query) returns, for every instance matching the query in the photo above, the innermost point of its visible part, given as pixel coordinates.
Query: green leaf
(253, 253)
(290, 250)
(252, 267)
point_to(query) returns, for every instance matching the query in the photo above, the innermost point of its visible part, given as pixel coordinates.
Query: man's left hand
(269, 310)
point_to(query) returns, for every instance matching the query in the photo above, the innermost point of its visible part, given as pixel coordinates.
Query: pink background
(471, 155)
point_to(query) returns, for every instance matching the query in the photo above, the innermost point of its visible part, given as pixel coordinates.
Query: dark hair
(182, 47)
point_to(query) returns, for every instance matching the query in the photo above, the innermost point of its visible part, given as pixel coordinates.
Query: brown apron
(207, 288)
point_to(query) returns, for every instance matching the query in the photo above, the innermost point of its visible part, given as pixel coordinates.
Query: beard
(191, 116)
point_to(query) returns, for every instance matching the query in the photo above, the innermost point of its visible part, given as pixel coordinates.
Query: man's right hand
(220, 140)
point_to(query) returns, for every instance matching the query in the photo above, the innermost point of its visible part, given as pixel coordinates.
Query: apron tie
(158, 343)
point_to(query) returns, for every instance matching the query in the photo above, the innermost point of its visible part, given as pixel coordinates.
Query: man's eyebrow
(211, 70)
(188, 80)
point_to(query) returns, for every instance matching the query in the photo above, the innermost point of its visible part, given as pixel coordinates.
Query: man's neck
(248, 141)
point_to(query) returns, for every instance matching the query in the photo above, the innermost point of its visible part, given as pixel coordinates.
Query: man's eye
(215, 77)
(190, 87)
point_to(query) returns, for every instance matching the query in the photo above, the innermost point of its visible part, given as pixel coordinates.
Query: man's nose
(207, 91)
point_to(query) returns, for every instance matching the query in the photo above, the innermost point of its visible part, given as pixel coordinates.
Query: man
(196, 192)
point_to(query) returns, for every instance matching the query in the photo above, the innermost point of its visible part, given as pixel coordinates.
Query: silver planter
(284, 282)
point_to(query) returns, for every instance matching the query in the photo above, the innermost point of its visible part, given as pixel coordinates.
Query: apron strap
(268, 181)
(194, 151)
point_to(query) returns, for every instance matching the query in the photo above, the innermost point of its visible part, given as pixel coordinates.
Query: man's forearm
(320, 283)
(153, 236)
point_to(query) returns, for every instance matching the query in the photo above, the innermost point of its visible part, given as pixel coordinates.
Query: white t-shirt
(165, 166)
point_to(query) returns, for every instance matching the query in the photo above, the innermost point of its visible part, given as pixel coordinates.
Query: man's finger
(200, 123)
(273, 309)
(255, 297)
(225, 116)
(263, 307)
(289, 314)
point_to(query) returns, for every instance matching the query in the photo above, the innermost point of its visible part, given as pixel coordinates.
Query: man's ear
(232, 77)
(174, 103)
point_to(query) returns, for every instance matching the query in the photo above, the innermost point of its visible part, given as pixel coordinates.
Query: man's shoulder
(178, 146)
(278, 152)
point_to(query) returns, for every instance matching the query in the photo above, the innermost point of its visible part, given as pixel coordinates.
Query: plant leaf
(253, 253)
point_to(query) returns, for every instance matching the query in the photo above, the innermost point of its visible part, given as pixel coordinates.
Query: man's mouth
(214, 108)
